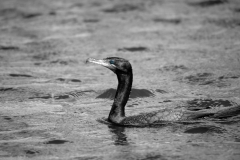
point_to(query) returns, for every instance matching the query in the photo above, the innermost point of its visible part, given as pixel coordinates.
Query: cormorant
(123, 69)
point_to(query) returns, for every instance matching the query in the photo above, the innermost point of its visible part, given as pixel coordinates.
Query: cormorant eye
(111, 61)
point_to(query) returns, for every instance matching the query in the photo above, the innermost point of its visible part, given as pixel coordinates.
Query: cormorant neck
(117, 112)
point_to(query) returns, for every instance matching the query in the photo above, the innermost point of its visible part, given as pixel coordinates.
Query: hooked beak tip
(89, 60)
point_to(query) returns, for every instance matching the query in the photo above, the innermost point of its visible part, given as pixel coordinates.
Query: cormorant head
(116, 64)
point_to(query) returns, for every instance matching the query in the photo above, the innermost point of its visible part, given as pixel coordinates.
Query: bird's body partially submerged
(123, 69)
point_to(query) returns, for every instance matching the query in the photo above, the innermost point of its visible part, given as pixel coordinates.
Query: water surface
(184, 55)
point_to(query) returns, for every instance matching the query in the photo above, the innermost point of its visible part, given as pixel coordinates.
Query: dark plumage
(123, 69)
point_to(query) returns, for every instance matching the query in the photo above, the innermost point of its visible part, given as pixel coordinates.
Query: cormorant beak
(102, 62)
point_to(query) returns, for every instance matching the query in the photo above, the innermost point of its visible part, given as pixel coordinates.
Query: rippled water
(184, 55)
(74, 127)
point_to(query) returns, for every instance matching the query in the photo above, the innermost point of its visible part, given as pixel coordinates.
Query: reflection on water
(118, 132)
(119, 137)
